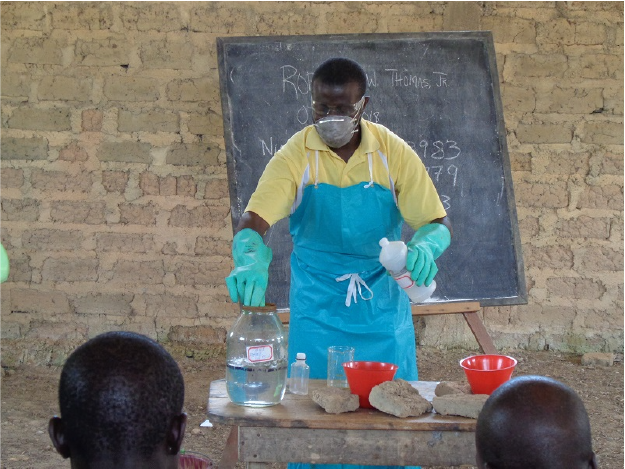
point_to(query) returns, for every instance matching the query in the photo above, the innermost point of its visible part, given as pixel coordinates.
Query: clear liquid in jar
(256, 385)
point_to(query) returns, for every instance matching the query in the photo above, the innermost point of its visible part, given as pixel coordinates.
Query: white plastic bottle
(300, 372)
(393, 258)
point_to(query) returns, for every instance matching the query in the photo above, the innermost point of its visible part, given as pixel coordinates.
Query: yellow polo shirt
(417, 198)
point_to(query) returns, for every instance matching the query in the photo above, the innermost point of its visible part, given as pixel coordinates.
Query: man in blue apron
(346, 183)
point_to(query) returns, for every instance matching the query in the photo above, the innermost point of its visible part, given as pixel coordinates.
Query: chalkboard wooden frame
(484, 262)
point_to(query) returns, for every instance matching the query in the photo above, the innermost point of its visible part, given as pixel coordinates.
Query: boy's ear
(56, 430)
(175, 434)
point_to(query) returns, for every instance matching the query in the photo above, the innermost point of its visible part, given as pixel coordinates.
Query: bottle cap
(301, 356)
(384, 242)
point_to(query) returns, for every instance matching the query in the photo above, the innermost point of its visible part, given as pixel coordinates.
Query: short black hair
(534, 421)
(118, 393)
(340, 71)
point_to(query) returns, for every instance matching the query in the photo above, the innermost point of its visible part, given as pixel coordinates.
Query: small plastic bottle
(299, 375)
(393, 258)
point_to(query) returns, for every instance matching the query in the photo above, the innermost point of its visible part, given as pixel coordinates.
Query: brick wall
(115, 208)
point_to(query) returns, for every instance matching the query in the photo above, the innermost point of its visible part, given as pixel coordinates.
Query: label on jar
(259, 353)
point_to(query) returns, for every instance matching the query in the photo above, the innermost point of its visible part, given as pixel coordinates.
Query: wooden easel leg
(479, 331)
(231, 451)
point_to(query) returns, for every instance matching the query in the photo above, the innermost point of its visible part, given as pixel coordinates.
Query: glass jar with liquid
(256, 358)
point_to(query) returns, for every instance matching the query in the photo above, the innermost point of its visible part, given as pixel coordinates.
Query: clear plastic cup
(337, 355)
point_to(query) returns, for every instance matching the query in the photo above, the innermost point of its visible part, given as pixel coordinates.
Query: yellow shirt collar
(368, 143)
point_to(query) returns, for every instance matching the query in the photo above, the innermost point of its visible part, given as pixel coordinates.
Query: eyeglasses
(343, 110)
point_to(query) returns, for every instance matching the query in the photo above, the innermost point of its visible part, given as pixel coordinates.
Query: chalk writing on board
(446, 200)
(440, 150)
(372, 79)
(294, 80)
(438, 171)
(406, 79)
(442, 173)
(371, 116)
(300, 82)
(268, 147)
(304, 115)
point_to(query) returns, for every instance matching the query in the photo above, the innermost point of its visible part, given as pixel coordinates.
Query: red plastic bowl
(363, 376)
(194, 460)
(486, 373)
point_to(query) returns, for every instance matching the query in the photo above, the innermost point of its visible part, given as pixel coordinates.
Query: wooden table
(298, 430)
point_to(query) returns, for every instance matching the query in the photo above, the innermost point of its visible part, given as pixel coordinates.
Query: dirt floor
(29, 399)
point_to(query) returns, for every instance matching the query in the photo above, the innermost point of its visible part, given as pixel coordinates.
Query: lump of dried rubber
(335, 400)
(452, 387)
(399, 398)
(464, 405)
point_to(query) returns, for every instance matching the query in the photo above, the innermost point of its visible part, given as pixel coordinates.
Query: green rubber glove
(4, 265)
(427, 244)
(247, 283)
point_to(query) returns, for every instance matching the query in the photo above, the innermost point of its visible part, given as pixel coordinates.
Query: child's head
(121, 396)
(537, 422)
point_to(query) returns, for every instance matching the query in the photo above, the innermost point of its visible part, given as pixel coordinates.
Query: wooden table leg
(481, 334)
(231, 452)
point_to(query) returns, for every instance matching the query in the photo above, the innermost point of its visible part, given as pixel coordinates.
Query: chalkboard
(437, 91)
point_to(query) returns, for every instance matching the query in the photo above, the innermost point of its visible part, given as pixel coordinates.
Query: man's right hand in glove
(247, 283)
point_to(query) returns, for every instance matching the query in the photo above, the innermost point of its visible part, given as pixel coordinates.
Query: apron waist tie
(355, 286)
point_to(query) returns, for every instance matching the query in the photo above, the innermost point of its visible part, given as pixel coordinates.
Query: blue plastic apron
(335, 236)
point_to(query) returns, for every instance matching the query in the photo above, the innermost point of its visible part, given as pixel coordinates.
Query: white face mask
(336, 131)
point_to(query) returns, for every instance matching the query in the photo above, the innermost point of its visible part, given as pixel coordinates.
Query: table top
(297, 411)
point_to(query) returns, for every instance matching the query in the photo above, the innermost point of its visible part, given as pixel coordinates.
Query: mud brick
(41, 119)
(138, 272)
(125, 152)
(64, 88)
(202, 216)
(544, 133)
(584, 227)
(50, 181)
(149, 183)
(125, 242)
(32, 301)
(105, 52)
(92, 120)
(115, 181)
(68, 211)
(192, 89)
(69, 270)
(131, 89)
(167, 54)
(73, 152)
(104, 304)
(11, 178)
(184, 306)
(157, 120)
(36, 50)
(193, 154)
(43, 240)
(138, 214)
(24, 148)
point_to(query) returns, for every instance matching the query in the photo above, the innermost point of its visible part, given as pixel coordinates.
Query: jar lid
(268, 308)
(300, 356)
